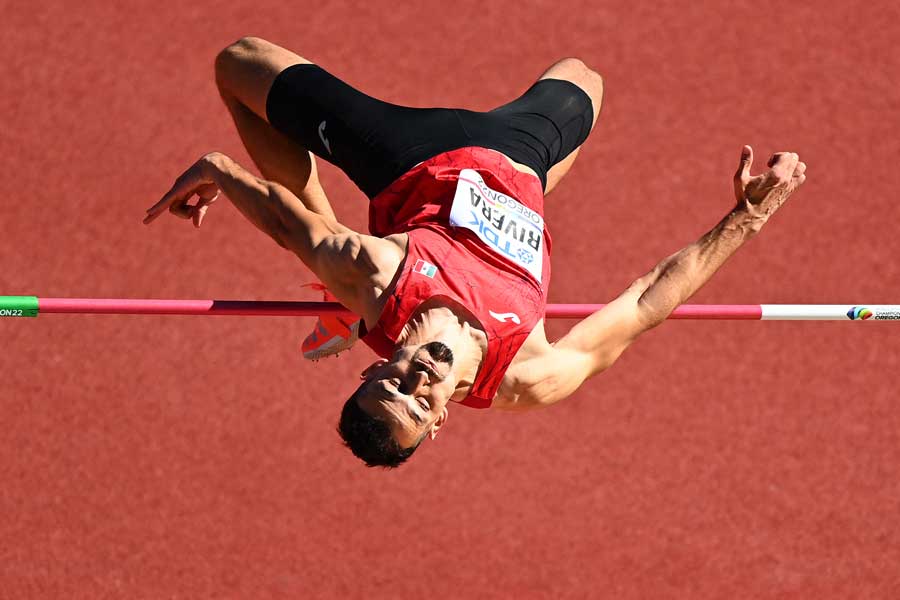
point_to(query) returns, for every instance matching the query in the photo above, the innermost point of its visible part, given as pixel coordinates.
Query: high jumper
(451, 284)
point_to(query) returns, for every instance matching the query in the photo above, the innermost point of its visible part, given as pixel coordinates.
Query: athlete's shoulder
(360, 267)
(382, 256)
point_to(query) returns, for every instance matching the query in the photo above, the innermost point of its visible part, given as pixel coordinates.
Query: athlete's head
(400, 402)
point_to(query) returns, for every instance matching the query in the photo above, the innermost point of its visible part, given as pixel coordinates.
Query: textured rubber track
(179, 457)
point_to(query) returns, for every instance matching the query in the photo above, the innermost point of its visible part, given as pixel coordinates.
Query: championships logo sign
(861, 313)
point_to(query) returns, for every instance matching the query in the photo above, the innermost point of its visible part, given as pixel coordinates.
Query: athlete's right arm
(317, 240)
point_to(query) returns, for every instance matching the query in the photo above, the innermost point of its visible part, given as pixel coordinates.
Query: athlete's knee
(251, 63)
(235, 55)
(246, 46)
(576, 71)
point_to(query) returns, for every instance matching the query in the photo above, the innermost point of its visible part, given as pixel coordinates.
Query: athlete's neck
(438, 323)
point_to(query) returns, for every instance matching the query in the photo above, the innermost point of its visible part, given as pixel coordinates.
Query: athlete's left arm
(589, 348)
(595, 343)
(324, 245)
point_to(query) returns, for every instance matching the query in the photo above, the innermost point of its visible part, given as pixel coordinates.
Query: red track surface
(185, 457)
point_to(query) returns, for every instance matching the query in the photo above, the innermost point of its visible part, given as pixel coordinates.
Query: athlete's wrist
(214, 164)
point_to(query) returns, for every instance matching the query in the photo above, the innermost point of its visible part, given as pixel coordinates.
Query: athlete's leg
(245, 71)
(371, 141)
(544, 127)
(575, 71)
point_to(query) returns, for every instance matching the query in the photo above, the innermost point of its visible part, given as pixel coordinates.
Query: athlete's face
(411, 391)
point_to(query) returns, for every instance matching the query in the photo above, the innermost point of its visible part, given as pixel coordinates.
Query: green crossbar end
(18, 306)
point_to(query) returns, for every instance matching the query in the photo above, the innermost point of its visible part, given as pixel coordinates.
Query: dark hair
(369, 438)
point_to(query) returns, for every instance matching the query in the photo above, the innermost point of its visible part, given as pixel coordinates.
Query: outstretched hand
(762, 195)
(196, 181)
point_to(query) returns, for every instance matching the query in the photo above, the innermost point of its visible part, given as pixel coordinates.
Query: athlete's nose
(418, 378)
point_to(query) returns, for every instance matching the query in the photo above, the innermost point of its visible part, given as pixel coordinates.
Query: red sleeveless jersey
(467, 262)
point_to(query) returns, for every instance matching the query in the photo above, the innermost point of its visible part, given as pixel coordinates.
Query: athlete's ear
(442, 418)
(365, 372)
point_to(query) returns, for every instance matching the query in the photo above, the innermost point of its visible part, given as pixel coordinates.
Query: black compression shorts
(375, 142)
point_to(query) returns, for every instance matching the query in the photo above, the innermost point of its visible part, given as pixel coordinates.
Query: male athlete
(451, 285)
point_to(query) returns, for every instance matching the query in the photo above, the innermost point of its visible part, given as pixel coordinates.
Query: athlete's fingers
(201, 209)
(780, 158)
(174, 198)
(170, 200)
(157, 209)
(182, 190)
(206, 193)
(782, 166)
(181, 210)
(746, 162)
(742, 176)
(789, 166)
(799, 174)
(198, 214)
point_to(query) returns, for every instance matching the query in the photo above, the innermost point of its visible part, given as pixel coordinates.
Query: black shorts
(374, 142)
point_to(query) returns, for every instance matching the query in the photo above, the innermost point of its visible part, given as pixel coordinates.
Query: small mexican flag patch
(425, 268)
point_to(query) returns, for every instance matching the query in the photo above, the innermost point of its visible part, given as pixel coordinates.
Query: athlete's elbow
(528, 402)
(279, 234)
(551, 390)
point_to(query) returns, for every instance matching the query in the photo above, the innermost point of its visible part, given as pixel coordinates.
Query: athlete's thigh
(372, 141)
(316, 110)
(247, 69)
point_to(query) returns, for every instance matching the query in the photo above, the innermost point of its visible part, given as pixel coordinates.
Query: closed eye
(398, 385)
(399, 388)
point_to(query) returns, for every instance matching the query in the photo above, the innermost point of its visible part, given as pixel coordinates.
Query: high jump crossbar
(31, 306)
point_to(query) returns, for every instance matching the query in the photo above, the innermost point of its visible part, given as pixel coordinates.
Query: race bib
(508, 227)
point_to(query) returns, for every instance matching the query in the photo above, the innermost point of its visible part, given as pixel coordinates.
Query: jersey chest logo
(504, 317)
